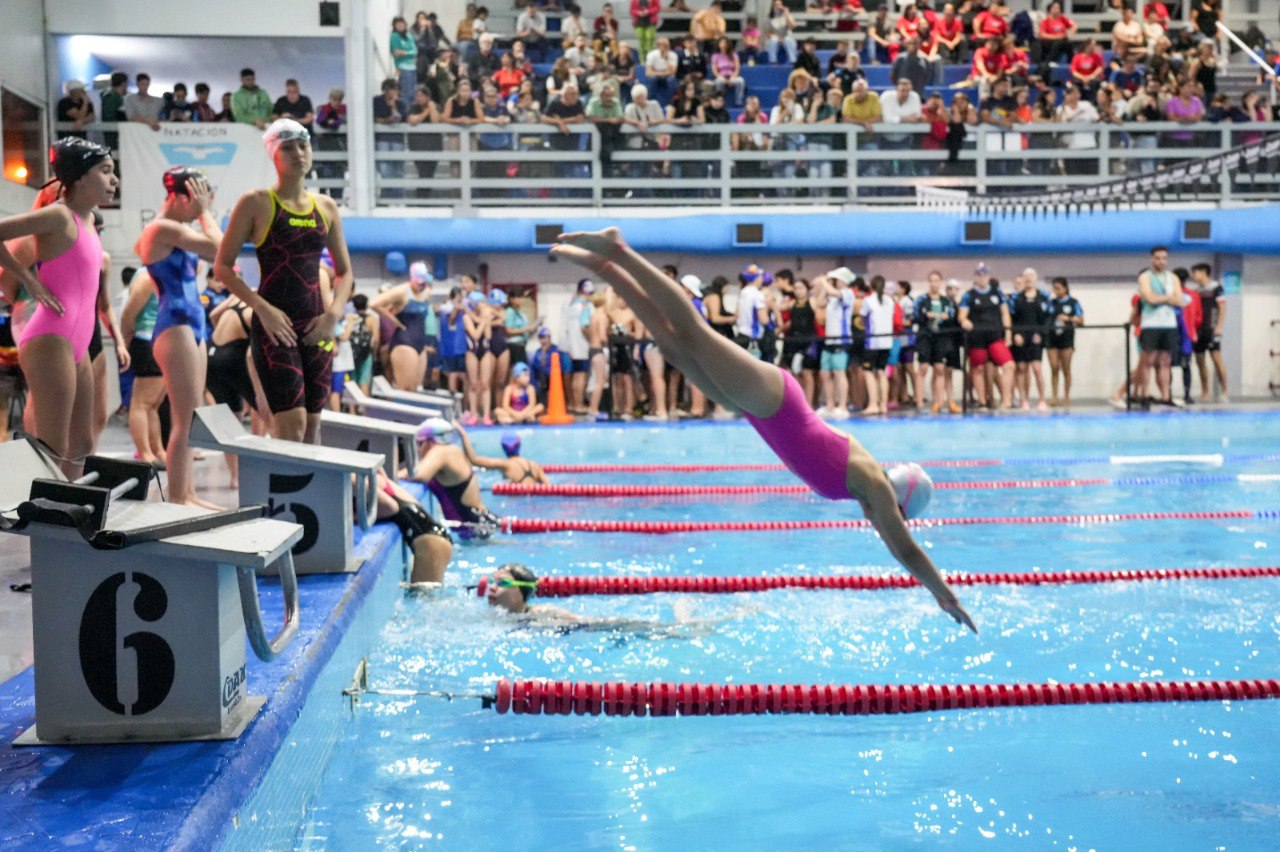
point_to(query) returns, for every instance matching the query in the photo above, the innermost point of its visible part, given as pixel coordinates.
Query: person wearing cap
(577, 318)
(408, 308)
(75, 108)
(835, 307)
(448, 475)
(292, 329)
(518, 402)
(831, 462)
(753, 314)
(53, 345)
(514, 467)
(984, 314)
(540, 362)
(697, 399)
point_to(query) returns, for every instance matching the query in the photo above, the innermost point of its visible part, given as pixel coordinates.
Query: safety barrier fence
(530, 165)
(550, 525)
(570, 586)
(514, 489)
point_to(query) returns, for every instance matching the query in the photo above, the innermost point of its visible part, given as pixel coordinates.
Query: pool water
(420, 771)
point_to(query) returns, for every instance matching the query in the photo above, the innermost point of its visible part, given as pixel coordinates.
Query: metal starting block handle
(268, 649)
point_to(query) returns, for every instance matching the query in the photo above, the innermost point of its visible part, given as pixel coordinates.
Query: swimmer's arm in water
(479, 461)
(683, 626)
(880, 505)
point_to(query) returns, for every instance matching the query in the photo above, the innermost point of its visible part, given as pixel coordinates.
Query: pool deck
(171, 795)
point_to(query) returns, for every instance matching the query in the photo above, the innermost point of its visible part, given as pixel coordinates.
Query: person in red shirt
(949, 31)
(1162, 13)
(1054, 35)
(908, 25)
(1087, 68)
(508, 77)
(989, 64)
(991, 23)
(1018, 63)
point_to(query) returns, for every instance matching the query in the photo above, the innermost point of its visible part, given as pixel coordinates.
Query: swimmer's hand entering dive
(953, 608)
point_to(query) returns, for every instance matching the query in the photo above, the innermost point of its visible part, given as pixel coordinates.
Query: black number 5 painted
(279, 483)
(98, 660)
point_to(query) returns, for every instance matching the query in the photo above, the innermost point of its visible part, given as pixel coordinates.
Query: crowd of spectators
(857, 344)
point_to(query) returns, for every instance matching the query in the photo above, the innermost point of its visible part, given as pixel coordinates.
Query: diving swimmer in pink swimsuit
(830, 462)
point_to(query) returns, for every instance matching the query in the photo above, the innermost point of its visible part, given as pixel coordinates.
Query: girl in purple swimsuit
(54, 345)
(829, 461)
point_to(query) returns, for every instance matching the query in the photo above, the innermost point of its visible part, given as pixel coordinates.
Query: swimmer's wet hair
(522, 573)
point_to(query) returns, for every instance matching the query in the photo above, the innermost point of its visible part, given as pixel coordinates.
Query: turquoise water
(419, 771)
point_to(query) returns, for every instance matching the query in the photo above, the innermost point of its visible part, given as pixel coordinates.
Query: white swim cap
(913, 487)
(280, 131)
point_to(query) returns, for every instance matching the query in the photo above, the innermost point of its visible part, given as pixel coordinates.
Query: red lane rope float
(713, 468)
(533, 697)
(514, 489)
(546, 525)
(561, 586)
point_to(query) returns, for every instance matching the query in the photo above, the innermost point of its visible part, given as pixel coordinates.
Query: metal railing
(530, 165)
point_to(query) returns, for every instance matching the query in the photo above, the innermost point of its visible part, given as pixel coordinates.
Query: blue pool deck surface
(186, 795)
(177, 795)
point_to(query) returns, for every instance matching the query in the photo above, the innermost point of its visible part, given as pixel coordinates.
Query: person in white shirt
(661, 65)
(787, 112)
(900, 105)
(753, 315)
(577, 319)
(877, 318)
(1076, 110)
(531, 28)
(1127, 36)
(579, 55)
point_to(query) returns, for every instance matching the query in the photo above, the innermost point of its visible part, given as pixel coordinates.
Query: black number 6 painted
(98, 661)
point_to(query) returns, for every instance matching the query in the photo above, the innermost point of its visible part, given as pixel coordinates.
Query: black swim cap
(176, 179)
(72, 158)
(523, 574)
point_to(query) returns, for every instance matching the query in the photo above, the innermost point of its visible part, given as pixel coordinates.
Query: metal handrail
(251, 609)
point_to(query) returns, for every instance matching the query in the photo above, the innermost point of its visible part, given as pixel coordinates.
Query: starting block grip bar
(268, 649)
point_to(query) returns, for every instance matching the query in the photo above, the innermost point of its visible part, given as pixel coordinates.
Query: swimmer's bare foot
(195, 501)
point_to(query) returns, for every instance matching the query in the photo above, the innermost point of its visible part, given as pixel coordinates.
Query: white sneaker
(839, 415)
(825, 411)
(721, 414)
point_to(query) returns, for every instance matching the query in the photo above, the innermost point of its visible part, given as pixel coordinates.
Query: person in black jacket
(1031, 313)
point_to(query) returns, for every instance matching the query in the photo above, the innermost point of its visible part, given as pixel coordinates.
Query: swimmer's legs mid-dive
(723, 370)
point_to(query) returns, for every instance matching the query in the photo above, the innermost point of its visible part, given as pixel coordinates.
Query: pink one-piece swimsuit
(808, 447)
(73, 277)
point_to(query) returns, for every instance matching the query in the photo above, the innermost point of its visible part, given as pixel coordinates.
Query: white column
(359, 108)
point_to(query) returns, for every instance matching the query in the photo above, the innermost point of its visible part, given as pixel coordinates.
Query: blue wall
(78, 65)
(1248, 230)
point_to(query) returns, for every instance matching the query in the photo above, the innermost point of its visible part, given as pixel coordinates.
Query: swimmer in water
(515, 467)
(833, 463)
(430, 542)
(447, 473)
(512, 585)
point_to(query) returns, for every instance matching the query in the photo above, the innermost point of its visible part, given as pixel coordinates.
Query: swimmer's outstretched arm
(880, 505)
(470, 452)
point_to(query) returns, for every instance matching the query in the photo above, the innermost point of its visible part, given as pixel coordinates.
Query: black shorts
(581, 365)
(144, 363)
(1207, 341)
(620, 360)
(808, 353)
(1027, 353)
(1162, 340)
(875, 359)
(935, 349)
(1065, 339)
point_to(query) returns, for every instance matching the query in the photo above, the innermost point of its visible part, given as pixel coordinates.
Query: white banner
(231, 157)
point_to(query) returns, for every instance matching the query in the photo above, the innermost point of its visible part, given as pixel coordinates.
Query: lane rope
(559, 586)
(514, 489)
(549, 525)
(1212, 459)
(563, 698)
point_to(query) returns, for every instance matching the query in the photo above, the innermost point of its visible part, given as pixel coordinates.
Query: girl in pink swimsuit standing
(53, 347)
(829, 461)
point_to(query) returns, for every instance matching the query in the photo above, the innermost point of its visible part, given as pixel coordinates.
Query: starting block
(386, 409)
(448, 404)
(140, 610)
(396, 442)
(313, 484)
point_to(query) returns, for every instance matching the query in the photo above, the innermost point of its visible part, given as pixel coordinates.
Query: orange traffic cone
(556, 414)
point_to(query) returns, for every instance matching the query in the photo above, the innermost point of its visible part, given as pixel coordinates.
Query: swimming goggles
(513, 583)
